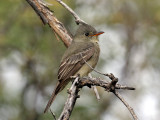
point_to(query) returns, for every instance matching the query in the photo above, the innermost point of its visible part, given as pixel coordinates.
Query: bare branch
(54, 116)
(77, 18)
(95, 89)
(87, 81)
(75, 81)
(96, 92)
(47, 17)
(127, 105)
(69, 105)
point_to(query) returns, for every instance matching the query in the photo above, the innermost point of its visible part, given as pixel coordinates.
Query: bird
(79, 59)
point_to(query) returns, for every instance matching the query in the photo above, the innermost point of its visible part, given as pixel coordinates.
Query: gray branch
(87, 81)
(47, 17)
(127, 105)
(69, 105)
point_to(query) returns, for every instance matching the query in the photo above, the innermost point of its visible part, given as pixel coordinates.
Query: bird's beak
(98, 33)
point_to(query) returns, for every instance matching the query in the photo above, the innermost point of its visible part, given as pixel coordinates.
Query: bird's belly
(86, 69)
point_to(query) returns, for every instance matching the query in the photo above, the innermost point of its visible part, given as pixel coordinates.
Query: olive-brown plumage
(84, 47)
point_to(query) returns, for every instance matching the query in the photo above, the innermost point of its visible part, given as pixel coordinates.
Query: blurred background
(30, 55)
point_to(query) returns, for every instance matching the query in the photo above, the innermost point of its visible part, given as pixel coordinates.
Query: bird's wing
(70, 65)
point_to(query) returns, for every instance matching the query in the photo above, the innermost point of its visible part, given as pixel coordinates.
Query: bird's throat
(95, 39)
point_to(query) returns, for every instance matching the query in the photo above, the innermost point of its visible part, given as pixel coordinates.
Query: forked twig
(87, 81)
(113, 87)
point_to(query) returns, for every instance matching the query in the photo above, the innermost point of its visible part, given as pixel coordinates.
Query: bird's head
(86, 33)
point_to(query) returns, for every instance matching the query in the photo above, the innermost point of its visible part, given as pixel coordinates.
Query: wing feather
(70, 65)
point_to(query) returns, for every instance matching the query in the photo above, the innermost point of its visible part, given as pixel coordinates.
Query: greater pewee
(84, 48)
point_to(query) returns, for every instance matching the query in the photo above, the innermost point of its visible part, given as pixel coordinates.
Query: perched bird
(84, 48)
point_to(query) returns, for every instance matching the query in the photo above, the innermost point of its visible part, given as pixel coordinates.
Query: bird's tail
(59, 87)
(53, 96)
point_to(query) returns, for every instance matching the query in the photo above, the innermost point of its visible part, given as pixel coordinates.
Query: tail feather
(53, 96)
(50, 101)
(59, 87)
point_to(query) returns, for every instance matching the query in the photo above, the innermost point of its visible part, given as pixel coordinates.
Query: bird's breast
(86, 69)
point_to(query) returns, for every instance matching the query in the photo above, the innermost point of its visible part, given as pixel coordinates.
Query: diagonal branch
(69, 105)
(47, 17)
(127, 105)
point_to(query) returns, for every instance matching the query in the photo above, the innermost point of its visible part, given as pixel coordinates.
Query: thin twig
(111, 76)
(108, 75)
(92, 67)
(96, 93)
(77, 18)
(127, 105)
(54, 116)
(95, 89)
(75, 81)
(124, 87)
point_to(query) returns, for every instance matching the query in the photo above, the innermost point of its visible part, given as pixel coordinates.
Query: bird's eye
(86, 34)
